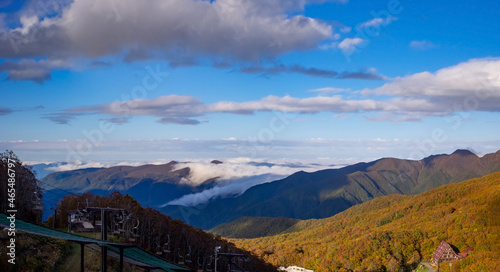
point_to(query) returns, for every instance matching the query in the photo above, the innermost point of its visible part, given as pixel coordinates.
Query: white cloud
(377, 22)
(177, 109)
(236, 176)
(466, 78)
(228, 171)
(237, 187)
(470, 86)
(308, 155)
(180, 30)
(348, 45)
(27, 23)
(300, 105)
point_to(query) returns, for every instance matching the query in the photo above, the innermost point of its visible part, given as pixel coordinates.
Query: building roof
(443, 248)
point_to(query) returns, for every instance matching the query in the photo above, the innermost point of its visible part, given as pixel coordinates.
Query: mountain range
(302, 195)
(325, 193)
(150, 184)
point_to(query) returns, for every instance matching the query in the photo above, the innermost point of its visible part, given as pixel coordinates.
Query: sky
(331, 82)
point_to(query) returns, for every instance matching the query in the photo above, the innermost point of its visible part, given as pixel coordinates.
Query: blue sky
(337, 81)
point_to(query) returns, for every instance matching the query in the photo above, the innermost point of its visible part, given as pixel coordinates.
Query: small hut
(445, 253)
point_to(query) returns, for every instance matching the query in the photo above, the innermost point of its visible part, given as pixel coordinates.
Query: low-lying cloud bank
(235, 169)
(235, 176)
(227, 189)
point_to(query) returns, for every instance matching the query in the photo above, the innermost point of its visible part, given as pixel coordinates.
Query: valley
(383, 215)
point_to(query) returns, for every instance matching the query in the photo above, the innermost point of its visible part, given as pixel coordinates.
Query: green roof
(130, 251)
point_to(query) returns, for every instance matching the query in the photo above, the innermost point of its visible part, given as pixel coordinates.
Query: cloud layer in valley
(235, 176)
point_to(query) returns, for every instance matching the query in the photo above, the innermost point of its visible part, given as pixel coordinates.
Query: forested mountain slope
(393, 231)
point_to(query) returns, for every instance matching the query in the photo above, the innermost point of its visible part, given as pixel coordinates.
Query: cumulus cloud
(179, 30)
(470, 86)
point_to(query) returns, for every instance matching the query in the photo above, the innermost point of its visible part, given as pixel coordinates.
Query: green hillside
(254, 227)
(395, 231)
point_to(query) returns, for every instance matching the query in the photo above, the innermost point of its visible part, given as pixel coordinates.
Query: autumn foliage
(394, 232)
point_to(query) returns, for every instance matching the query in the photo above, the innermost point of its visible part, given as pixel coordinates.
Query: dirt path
(429, 266)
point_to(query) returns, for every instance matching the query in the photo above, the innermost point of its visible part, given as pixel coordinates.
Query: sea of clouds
(233, 176)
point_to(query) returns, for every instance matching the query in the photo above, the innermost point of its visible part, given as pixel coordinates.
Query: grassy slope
(393, 231)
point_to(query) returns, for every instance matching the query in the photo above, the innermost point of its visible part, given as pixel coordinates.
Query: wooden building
(445, 253)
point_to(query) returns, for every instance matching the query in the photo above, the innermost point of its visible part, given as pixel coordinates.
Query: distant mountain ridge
(325, 193)
(149, 184)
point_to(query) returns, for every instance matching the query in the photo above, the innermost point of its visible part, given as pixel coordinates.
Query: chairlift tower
(217, 248)
(104, 234)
